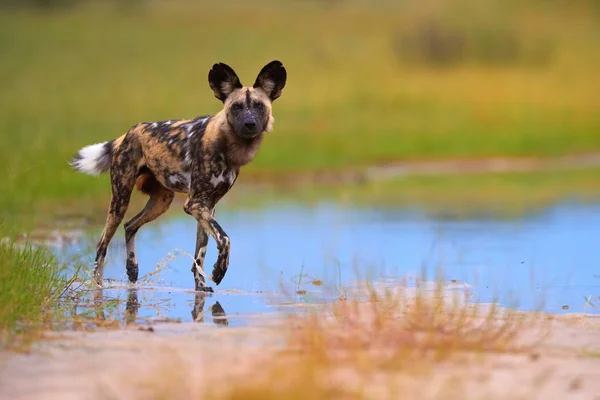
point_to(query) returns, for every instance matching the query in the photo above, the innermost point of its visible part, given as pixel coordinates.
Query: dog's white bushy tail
(93, 159)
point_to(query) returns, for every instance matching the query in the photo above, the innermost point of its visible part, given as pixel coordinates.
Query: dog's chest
(213, 180)
(221, 184)
(221, 177)
(215, 184)
(224, 179)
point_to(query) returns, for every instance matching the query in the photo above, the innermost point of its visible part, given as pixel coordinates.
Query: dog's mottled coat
(200, 157)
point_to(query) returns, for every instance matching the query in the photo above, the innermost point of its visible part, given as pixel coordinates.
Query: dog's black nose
(250, 126)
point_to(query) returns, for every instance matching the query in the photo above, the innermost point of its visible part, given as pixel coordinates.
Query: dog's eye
(259, 106)
(236, 106)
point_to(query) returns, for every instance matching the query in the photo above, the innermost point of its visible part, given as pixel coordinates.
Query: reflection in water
(102, 305)
(132, 307)
(99, 304)
(218, 314)
(219, 317)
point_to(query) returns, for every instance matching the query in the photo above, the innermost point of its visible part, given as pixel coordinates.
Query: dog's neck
(239, 151)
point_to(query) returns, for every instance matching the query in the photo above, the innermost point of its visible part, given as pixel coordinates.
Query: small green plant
(341, 290)
(298, 280)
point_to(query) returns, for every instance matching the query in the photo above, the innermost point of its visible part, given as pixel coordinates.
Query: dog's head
(248, 109)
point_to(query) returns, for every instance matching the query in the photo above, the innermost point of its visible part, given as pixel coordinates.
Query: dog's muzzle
(249, 127)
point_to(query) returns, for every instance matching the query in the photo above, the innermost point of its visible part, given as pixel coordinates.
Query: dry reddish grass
(399, 324)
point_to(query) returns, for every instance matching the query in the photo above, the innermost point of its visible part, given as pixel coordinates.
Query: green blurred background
(369, 82)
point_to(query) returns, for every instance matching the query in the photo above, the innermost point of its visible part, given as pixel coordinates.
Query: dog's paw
(219, 270)
(132, 271)
(206, 289)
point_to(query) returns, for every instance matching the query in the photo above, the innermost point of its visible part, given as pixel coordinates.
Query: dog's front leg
(198, 266)
(206, 220)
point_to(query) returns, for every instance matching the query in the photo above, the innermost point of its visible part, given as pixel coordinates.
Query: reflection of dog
(200, 157)
(219, 316)
(132, 307)
(99, 305)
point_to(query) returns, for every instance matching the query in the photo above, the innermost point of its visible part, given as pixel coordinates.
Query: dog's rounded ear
(223, 80)
(271, 79)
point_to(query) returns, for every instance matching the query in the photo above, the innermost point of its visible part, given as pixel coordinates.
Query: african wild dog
(200, 157)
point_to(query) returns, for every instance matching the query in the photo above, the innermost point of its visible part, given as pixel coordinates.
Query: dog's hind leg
(118, 208)
(158, 204)
(122, 176)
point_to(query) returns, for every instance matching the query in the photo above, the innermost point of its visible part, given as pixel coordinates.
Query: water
(549, 260)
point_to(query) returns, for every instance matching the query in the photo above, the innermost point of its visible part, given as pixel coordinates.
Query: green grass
(31, 280)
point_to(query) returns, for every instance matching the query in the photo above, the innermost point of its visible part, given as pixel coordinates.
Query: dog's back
(160, 152)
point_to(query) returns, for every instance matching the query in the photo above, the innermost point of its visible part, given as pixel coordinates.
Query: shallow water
(549, 260)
